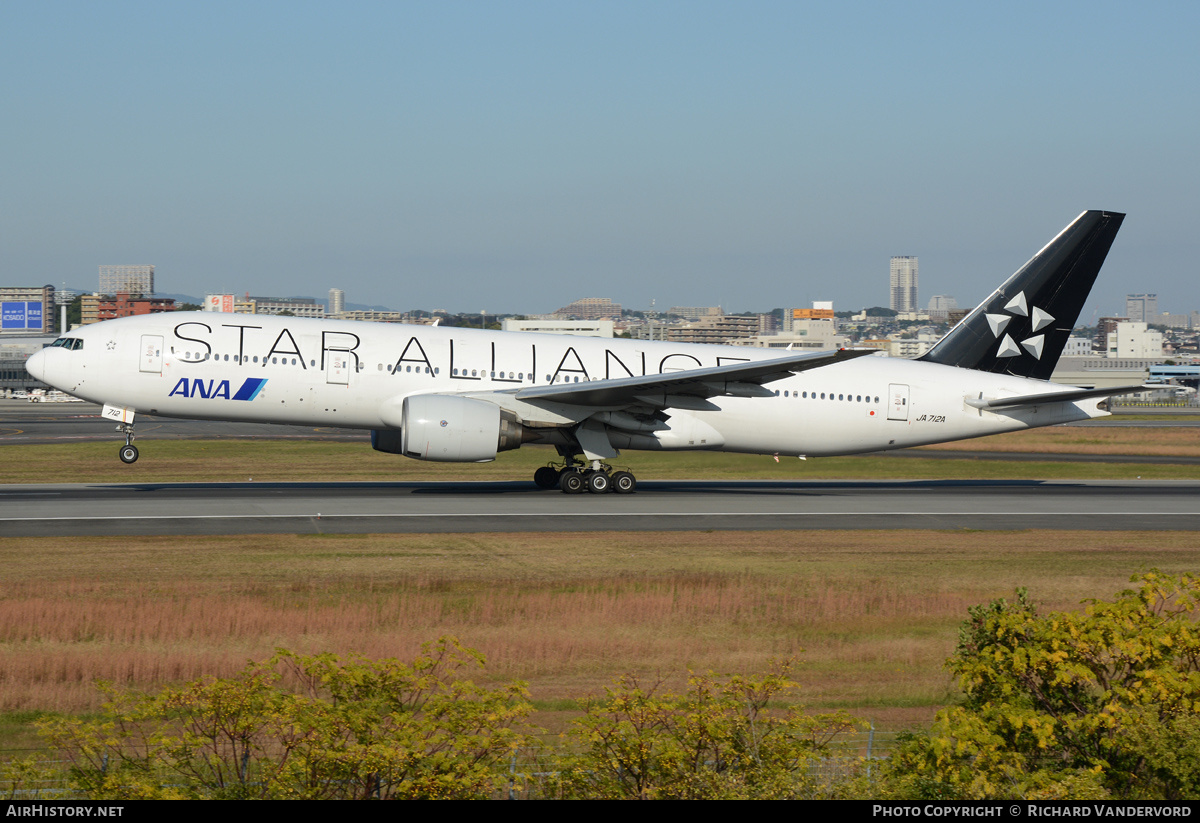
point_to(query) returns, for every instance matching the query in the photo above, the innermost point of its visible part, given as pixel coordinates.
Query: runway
(395, 507)
(344, 508)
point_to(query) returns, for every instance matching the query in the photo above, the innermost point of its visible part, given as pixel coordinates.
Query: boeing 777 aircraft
(463, 395)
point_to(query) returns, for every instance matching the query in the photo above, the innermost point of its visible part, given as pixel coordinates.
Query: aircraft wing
(1069, 396)
(674, 388)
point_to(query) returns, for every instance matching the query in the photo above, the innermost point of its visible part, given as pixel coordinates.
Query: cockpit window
(71, 343)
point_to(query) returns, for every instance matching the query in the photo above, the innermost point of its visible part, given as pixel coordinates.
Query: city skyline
(518, 157)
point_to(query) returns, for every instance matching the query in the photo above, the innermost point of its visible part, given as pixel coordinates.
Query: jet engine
(450, 429)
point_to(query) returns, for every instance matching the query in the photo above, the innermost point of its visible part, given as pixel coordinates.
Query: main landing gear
(575, 478)
(129, 452)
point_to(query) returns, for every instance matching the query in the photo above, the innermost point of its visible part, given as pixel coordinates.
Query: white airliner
(461, 395)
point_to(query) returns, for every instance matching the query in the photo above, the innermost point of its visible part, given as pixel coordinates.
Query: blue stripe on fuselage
(250, 388)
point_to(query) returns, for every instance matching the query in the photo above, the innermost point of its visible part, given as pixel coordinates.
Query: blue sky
(517, 156)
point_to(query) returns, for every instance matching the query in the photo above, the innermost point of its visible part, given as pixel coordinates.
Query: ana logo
(213, 389)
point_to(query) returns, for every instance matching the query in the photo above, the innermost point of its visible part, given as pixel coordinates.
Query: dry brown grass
(1088, 440)
(877, 612)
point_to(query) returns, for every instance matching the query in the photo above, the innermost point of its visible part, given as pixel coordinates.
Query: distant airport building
(296, 306)
(1106, 326)
(821, 310)
(1134, 340)
(903, 280)
(1077, 347)
(1098, 371)
(127, 305)
(14, 351)
(337, 302)
(1141, 308)
(911, 347)
(590, 308)
(127, 279)
(228, 303)
(696, 312)
(724, 329)
(375, 316)
(940, 306)
(578, 328)
(27, 310)
(806, 334)
(1174, 321)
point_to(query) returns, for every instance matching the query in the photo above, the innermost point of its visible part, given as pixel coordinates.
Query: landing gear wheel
(546, 477)
(571, 482)
(129, 454)
(598, 483)
(623, 482)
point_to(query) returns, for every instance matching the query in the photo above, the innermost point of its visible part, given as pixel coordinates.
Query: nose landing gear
(129, 452)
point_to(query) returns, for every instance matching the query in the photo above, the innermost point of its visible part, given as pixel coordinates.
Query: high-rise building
(904, 284)
(1141, 308)
(337, 302)
(138, 280)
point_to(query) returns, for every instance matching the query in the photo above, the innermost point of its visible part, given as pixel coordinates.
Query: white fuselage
(353, 374)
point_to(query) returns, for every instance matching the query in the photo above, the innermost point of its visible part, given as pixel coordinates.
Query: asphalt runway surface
(359, 508)
(314, 508)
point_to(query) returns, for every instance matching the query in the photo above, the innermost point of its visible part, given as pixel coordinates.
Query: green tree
(1100, 703)
(314, 727)
(716, 740)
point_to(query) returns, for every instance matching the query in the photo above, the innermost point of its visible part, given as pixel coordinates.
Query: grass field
(874, 613)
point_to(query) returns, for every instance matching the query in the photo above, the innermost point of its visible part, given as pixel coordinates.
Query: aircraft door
(151, 354)
(337, 367)
(898, 401)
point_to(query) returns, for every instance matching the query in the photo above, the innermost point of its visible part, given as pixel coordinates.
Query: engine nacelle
(449, 429)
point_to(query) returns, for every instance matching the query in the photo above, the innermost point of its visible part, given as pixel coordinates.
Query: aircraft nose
(36, 365)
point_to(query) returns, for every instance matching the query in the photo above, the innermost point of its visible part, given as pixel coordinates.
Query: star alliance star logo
(1038, 321)
(112, 344)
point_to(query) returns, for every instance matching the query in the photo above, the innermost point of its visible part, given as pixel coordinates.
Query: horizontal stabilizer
(1069, 396)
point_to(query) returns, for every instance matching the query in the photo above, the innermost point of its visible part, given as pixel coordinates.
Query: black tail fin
(1022, 328)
